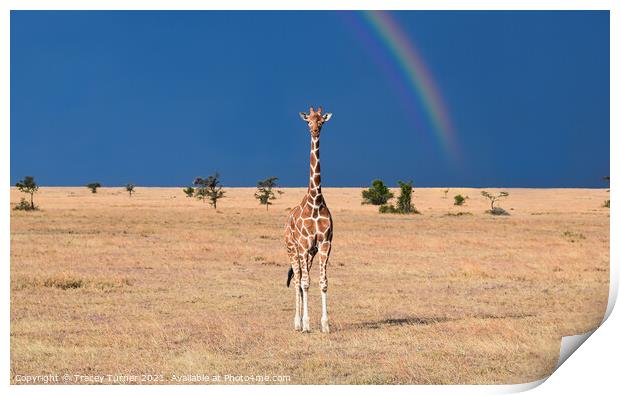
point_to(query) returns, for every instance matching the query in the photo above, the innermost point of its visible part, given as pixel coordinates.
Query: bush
(377, 194)
(388, 209)
(403, 203)
(24, 205)
(459, 200)
(93, 186)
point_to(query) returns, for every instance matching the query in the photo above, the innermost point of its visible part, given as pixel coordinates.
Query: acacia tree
(93, 186)
(265, 192)
(209, 189)
(28, 185)
(377, 194)
(494, 198)
(445, 193)
(130, 188)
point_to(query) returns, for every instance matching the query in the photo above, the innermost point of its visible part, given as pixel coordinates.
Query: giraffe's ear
(303, 116)
(327, 117)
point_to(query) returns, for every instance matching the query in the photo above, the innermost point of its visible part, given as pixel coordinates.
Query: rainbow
(415, 73)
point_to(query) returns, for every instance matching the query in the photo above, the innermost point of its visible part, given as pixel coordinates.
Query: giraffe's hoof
(306, 325)
(324, 326)
(297, 323)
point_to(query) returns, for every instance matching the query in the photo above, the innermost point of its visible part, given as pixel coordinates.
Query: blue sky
(158, 98)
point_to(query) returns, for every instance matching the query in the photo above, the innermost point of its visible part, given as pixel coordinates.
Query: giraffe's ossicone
(309, 231)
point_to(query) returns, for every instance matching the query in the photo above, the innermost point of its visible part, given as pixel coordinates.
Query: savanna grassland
(162, 284)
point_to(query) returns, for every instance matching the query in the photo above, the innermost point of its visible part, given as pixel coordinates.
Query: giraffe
(309, 230)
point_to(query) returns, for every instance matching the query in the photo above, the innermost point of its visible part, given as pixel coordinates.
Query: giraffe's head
(315, 120)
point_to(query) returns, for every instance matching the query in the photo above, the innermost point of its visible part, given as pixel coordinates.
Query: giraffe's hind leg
(296, 268)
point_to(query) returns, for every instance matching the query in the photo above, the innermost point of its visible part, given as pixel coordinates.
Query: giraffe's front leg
(305, 319)
(324, 250)
(305, 284)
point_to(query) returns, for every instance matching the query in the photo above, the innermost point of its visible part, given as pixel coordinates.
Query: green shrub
(459, 199)
(24, 205)
(388, 209)
(403, 203)
(377, 194)
(93, 186)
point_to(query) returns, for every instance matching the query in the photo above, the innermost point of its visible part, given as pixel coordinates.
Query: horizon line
(334, 187)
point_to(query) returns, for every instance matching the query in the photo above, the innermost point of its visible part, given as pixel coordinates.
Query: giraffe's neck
(314, 185)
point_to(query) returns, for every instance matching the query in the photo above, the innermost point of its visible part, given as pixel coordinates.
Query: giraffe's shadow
(397, 321)
(425, 321)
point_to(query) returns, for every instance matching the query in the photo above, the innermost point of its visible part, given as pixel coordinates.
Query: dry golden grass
(158, 283)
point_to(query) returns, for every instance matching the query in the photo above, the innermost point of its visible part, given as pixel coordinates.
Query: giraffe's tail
(290, 276)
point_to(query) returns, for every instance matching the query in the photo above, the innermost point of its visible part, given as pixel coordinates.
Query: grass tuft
(459, 214)
(573, 236)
